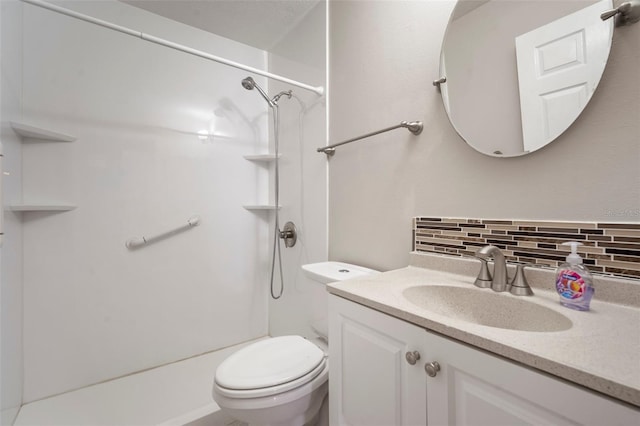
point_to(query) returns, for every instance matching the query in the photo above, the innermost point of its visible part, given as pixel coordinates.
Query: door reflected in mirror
(519, 72)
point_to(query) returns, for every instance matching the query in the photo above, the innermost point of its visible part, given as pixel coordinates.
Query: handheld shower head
(249, 84)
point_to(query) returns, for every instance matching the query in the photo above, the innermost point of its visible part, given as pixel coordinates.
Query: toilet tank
(329, 272)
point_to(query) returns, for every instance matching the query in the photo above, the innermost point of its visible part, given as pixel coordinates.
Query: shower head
(277, 97)
(249, 84)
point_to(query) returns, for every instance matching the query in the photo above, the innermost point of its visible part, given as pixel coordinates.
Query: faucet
(499, 282)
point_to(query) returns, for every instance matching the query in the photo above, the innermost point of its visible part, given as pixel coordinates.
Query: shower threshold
(170, 395)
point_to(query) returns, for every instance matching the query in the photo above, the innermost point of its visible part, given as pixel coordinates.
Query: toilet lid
(269, 362)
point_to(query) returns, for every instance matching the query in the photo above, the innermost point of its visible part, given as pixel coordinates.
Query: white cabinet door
(476, 388)
(371, 382)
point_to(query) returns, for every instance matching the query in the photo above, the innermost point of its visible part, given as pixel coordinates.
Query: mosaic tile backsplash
(609, 248)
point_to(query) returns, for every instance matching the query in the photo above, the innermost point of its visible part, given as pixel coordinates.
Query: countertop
(601, 350)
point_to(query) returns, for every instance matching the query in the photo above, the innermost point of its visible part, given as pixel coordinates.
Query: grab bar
(414, 127)
(133, 243)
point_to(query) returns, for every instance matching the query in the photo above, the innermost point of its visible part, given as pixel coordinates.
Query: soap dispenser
(573, 281)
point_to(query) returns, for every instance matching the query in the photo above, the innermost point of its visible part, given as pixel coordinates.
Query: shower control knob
(289, 234)
(432, 368)
(412, 357)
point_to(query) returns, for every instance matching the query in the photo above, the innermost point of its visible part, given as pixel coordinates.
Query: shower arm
(414, 127)
(319, 90)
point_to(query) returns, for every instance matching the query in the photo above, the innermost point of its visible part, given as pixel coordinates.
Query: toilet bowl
(280, 381)
(276, 381)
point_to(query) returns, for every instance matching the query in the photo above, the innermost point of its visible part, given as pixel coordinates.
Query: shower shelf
(30, 133)
(40, 207)
(261, 157)
(27, 131)
(262, 207)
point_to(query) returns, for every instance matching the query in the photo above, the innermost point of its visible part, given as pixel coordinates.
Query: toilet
(281, 381)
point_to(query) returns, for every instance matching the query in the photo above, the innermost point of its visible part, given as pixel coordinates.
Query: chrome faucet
(499, 282)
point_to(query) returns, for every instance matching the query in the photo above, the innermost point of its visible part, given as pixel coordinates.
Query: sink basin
(484, 307)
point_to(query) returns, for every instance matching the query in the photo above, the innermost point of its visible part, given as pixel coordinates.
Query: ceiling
(258, 23)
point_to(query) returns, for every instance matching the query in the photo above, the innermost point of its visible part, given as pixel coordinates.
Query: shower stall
(139, 195)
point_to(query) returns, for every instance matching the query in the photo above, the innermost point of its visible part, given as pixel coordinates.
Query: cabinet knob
(412, 357)
(432, 368)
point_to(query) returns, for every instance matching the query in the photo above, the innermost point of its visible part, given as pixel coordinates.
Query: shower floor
(170, 395)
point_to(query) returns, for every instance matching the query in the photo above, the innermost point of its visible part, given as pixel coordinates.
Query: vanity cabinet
(372, 381)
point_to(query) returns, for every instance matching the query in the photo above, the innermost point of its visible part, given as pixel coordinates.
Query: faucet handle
(519, 285)
(484, 279)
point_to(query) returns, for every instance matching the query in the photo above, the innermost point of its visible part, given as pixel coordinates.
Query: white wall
(11, 251)
(93, 309)
(303, 173)
(383, 57)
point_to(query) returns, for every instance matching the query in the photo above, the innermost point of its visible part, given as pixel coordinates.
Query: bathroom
(79, 308)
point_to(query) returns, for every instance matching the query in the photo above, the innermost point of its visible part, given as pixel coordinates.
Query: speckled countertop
(601, 350)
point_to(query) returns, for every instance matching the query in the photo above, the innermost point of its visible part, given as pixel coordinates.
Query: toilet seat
(272, 390)
(269, 367)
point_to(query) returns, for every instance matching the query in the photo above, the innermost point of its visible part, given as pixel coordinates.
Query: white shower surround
(94, 310)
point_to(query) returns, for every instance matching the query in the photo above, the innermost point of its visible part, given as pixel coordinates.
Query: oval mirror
(519, 72)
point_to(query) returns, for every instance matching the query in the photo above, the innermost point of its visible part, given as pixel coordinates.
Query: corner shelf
(27, 131)
(266, 158)
(262, 207)
(40, 207)
(262, 158)
(31, 133)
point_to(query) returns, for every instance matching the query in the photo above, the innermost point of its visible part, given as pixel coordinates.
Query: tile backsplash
(609, 248)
